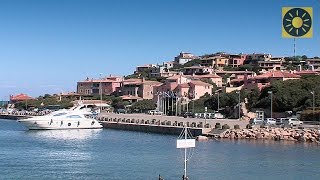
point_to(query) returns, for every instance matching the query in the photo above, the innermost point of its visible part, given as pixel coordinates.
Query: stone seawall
(162, 124)
(149, 128)
(289, 134)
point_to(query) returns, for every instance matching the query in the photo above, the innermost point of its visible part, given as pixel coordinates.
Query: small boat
(78, 117)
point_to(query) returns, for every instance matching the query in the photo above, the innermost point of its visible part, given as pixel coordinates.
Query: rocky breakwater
(300, 135)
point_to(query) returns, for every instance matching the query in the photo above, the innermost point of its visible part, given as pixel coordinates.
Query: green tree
(252, 97)
(304, 57)
(143, 105)
(291, 94)
(118, 103)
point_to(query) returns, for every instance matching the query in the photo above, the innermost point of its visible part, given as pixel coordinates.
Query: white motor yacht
(78, 117)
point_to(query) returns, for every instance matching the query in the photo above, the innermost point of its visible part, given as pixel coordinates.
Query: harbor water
(116, 155)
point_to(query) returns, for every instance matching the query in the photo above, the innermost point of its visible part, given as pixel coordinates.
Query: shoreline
(229, 129)
(201, 127)
(275, 134)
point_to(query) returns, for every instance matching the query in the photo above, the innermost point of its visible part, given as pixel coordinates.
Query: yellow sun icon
(297, 22)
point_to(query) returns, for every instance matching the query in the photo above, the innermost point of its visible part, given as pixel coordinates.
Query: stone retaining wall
(301, 135)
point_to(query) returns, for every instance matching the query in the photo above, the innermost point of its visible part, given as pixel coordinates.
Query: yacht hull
(50, 125)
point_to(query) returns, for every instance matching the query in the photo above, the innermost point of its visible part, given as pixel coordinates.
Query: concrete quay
(13, 116)
(163, 124)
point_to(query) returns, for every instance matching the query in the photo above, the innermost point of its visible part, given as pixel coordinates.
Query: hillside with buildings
(216, 82)
(189, 77)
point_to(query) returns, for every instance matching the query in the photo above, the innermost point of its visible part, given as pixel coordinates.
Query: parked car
(256, 121)
(155, 112)
(293, 122)
(218, 115)
(120, 111)
(188, 114)
(269, 121)
(280, 121)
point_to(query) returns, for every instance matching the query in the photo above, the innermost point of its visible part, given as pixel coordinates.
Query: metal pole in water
(185, 154)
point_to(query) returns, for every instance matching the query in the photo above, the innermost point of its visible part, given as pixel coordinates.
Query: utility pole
(270, 92)
(313, 103)
(238, 92)
(218, 101)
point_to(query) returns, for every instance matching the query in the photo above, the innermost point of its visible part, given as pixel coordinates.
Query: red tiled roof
(20, 97)
(184, 85)
(152, 82)
(277, 74)
(199, 83)
(175, 77)
(140, 81)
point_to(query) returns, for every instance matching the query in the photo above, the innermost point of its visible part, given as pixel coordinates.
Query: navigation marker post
(185, 142)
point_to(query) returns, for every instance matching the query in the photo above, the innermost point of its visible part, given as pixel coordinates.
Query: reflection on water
(114, 154)
(66, 134)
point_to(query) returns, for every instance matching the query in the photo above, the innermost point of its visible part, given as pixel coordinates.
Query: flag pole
(294, 48)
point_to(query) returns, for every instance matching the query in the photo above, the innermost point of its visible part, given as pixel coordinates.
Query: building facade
(106, 86)
(184, 57)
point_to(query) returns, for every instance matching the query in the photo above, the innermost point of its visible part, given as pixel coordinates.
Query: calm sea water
(112, 154)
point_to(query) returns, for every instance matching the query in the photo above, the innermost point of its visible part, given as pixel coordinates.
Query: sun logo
(297, 22)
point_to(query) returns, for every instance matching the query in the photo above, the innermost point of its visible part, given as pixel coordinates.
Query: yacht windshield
(74, 116)
(60, 114)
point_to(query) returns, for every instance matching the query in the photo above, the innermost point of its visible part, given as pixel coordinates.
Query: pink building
(212, 77)
(139, 88)
(199, 88)
(184, 86)
(236, 60)
(109, 85)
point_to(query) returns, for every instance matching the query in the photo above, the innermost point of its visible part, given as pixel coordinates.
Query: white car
(154, 112)
(269, 121)
(293, 122)
(256, 121)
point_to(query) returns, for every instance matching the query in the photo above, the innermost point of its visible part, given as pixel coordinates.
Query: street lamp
(313, 102)
(270, 92)
(100, 92)
(218, 102)
(238, 92)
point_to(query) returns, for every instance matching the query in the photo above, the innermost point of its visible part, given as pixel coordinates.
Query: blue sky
(47, 46)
